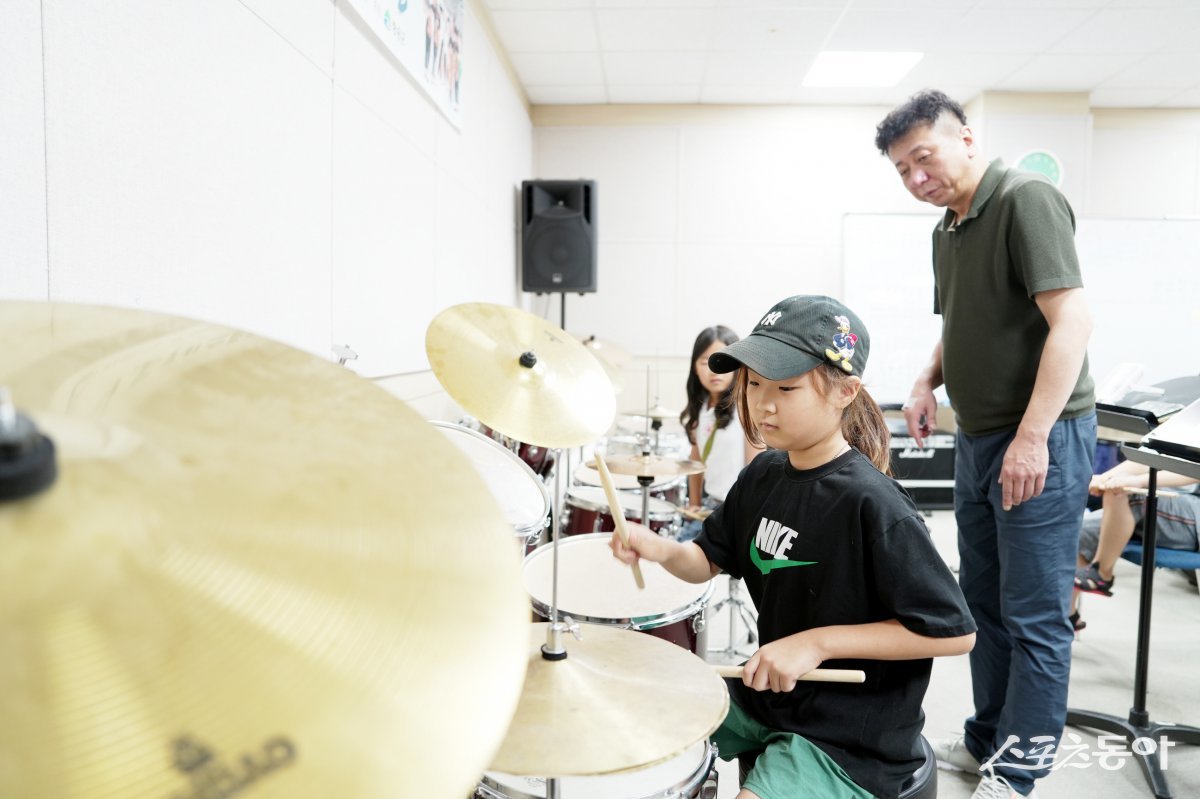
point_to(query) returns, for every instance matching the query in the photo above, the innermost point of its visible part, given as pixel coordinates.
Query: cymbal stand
(553, 649)
(644, 480)
(738, 609)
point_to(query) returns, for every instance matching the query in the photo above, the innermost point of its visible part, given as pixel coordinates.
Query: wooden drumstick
(614, 505)
(694, 515)
(816, 675)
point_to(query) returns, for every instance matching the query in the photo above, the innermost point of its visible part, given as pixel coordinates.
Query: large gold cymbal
(560, 398)
(620, 700)
(255, 567)
(652, 466)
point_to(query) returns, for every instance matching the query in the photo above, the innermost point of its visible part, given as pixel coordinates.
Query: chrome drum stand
(738, 609)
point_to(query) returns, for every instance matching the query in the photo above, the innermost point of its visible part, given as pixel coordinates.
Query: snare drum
(588, 512)
(519, 492)
(691, 775)
(596, 588)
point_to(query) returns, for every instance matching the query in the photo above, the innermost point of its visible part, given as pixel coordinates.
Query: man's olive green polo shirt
(1017, 240)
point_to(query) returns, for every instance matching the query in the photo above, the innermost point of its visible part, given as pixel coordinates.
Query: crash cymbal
(253, 571)
(614, 373)
(657, 412)
(620, 700)
(605, 349)
(520, 375)
(652, 466)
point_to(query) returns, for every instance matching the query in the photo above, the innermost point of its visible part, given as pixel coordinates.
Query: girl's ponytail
(866, 430)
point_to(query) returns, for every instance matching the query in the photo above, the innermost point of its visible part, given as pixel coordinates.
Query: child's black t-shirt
(839, 544)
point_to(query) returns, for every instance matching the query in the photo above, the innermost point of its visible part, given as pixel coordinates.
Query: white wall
(263, 164)
(1145, 164)
(710, 214)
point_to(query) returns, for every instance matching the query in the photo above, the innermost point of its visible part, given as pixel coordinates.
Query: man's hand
(1023, 475)
(920, 414)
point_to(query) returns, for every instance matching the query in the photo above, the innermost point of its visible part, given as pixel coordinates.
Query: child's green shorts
(789, 768)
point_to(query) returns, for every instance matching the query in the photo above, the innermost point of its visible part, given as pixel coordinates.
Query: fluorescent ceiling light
(859, 69)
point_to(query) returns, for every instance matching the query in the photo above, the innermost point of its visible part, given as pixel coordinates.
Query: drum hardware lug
(699, 622)
(569, 625)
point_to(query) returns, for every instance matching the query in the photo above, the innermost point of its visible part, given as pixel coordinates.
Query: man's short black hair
(923, 108)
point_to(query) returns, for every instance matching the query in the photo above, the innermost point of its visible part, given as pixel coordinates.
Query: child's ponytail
(866, 430)
(863, 425)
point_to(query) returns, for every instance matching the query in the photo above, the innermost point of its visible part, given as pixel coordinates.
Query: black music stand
(1139, 724)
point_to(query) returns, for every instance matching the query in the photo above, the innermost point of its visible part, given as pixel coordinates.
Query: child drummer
(837, 560)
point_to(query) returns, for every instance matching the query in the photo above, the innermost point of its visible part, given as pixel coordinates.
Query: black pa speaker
(558, 236)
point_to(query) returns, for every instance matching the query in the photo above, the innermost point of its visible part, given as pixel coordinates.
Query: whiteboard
(1142, 278)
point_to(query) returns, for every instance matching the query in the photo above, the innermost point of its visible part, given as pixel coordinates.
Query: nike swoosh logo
(768, 566)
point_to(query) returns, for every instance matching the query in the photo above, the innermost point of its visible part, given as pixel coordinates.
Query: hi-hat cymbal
(620, 700)
(652, 466)
(252, 572)
(520, 375)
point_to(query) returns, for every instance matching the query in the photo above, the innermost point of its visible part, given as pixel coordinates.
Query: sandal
(1088, 580)
(1076, 622)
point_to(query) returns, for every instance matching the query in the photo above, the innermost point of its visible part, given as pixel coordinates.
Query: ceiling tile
(656, 29)
(558, 69)
(764, 67)
(663, 69)
(1017, 31)
(912, 5)
(801, 4)
(1065, 72)
(773, 29)
(746, 94)
(644, 4)
(687, 94)
(885, 29)
(985, 68)
(1127, 52)
(1144, 30)
(1177, 71)
(1008, 5)
(566, 95)
(497, 5)
(546, 31)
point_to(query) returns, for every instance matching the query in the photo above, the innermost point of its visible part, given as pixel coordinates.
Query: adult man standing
(1013, 358)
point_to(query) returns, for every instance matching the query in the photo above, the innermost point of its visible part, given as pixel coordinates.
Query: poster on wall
(426, 37)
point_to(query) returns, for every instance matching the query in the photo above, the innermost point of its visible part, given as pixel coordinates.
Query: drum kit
(225, 563)
(609, 701)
